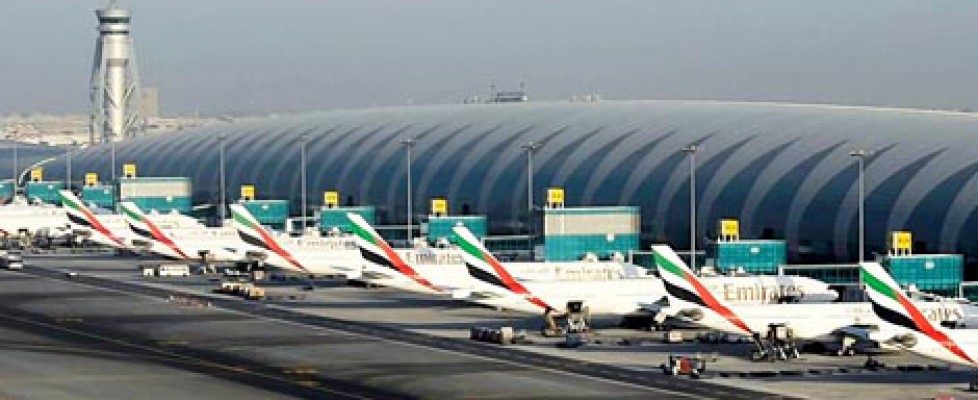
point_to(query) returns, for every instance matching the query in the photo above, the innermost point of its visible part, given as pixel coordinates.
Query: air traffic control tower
(115, 83)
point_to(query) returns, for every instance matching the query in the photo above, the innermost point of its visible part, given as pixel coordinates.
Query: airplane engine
(693, 314)
(256, 256)
(82, 233)
(142, 244)
(907, 340)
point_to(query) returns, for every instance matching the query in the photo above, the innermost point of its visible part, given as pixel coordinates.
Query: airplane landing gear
(873, 364)
(779, 344)
(847, 348)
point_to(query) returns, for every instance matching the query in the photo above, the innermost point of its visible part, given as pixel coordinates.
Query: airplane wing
(864, 332)
(466, 294)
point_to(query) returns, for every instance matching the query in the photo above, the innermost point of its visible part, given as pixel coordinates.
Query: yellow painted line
(65, 320)
(302, 370)
(171, 342)
(308, 383)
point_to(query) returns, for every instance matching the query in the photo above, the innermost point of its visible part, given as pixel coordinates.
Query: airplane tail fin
(684, 286)
(251, 232)
(136, 219)
(248, 227)
(79, 214)
(483, 266)
(141, 225)
(375, 250)
(894, 307)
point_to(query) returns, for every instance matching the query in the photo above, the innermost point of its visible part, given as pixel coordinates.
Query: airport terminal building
(784, 170)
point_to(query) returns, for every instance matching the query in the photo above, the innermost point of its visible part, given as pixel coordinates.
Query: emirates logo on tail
(251, 232)
(892, 306)
(375, 250)
(483, 266)
(682, 284)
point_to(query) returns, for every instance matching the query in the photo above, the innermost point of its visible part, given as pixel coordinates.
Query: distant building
(150, 104)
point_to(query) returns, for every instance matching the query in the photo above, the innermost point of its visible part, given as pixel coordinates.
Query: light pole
(530, 147)
(861, 155)
(14, 160)
(224, 204)
(691, 150)
(68, 166)
(409, 144)
(302, 160)
(112, 157)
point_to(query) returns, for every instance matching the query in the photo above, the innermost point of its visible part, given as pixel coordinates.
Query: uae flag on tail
(681, 283)
(375, 250)
(892, 306)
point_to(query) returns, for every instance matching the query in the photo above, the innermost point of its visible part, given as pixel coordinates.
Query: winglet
(483, 266)
(375, 250)
(683, 285)
(893, 306)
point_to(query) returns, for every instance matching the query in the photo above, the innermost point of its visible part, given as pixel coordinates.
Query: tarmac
(339, 341)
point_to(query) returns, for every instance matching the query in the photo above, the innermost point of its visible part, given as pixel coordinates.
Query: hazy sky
(247, 56)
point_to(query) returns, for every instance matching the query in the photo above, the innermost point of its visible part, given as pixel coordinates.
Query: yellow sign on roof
(331, 199)
(248, 192)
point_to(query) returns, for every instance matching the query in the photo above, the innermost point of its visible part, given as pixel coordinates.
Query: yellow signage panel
(439, 206)
(129, 170)
(37, 174)
(555, 196)
(901, 240)
(729, 227)
(331, 198)
(91, 179)
(248, 192)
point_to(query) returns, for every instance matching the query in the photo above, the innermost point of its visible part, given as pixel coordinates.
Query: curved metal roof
(27, 155)
(783, 169)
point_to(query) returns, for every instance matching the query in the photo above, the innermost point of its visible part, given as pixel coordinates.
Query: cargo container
(751, 256)
(271, 213)
(571, 233)
(330, 218)
(936, 273)
(102, 196)
(441, 227)
(160, 194)
(44, 191)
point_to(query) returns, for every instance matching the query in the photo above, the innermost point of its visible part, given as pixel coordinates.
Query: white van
(173, 270)
(13, 261)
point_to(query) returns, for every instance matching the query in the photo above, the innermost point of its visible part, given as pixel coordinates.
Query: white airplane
(443, 271)
(104, 229)
(183, 241)
(829, 322)
(495, 286)
(311, 254)
(387, 267)
(34, 219)
(912, 329)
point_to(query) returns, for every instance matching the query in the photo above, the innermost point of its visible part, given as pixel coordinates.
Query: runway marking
(355, 328)
(171, 355)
